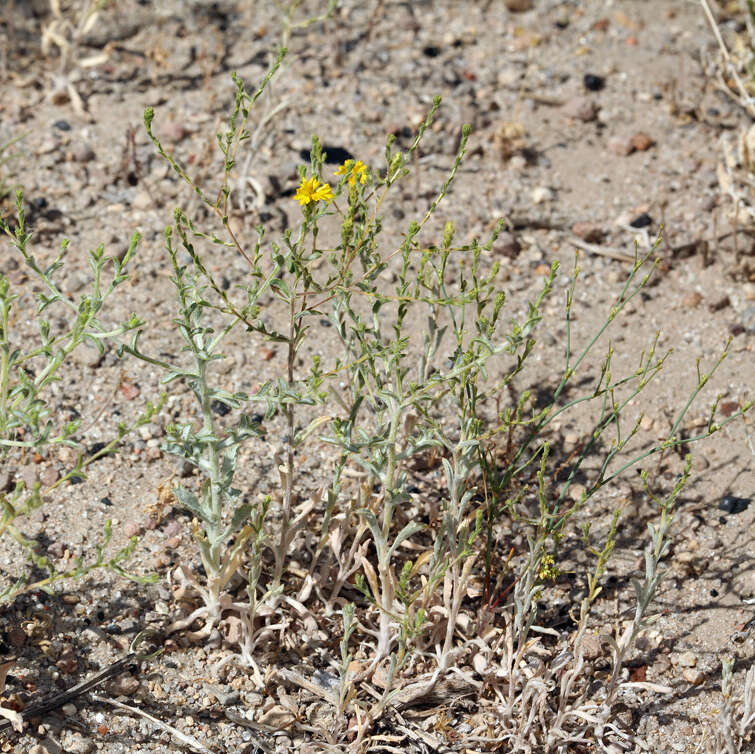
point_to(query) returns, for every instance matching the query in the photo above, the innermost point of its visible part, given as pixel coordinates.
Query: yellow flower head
(310, 190)
(357, 171)
(548, 569)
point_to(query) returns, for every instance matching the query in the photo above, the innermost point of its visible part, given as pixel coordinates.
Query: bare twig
(603, 251)
(744, 99)
(185, 737)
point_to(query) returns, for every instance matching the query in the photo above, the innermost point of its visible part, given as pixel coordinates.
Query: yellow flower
(355, 170)
(310, 190)
(548, 569)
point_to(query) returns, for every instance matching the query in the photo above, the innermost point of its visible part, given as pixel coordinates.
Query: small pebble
(124, 685)
(728, 408)
(594, 83)
(518, 6)
(172, 529)
(229, 698)
(733, 505)
(687, 659)
(591, 647)
(642, 221)
(620, 145)
(82, 153)
(69, 709)
(132, 529)
(75, 743)
(88, 356)
(29, 475)
(693, 676)
(580, 108)
(170, 130)
(720, 303)
(142, 200)
(153, 454)
(576, 491)
(641, 142)
(56, 549)
(507, 245)
(17, 637)
(588, 232)
(541, 194)
(62, 125)
(692, 300)
(49, 476)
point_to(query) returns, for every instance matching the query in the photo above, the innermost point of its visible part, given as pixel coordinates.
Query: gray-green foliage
(28, 369)
(383, 406)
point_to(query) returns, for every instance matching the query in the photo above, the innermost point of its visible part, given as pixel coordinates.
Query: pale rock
(541, 194)
(576, 491)
(591, 647)
(580, 108)
(693, 676)
(507, 245)
(142, 200)
(620, 145)
(124, 685)
(687, 659)
(88, 356)
(82, 152)
(587, 232)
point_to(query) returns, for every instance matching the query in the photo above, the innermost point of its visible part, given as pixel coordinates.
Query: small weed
(412, 381)
(28, 370)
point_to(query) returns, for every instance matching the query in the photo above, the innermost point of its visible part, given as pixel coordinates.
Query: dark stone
(641, 221)
(733, 505)
(62, 125)
(96, 447)
(333, 155)
(220, 408)
(594, 83)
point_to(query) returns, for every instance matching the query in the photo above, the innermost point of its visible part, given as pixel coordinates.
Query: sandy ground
(591, 121)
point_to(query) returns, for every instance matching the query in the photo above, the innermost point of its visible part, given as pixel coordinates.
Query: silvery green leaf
(377, 533)
(189, 501)
(240, 516)
(409, 530)
(228, 467)
(450, 477)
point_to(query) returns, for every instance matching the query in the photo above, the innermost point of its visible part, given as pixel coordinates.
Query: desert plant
(384, 409)
(736, 717)
(28, 422)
